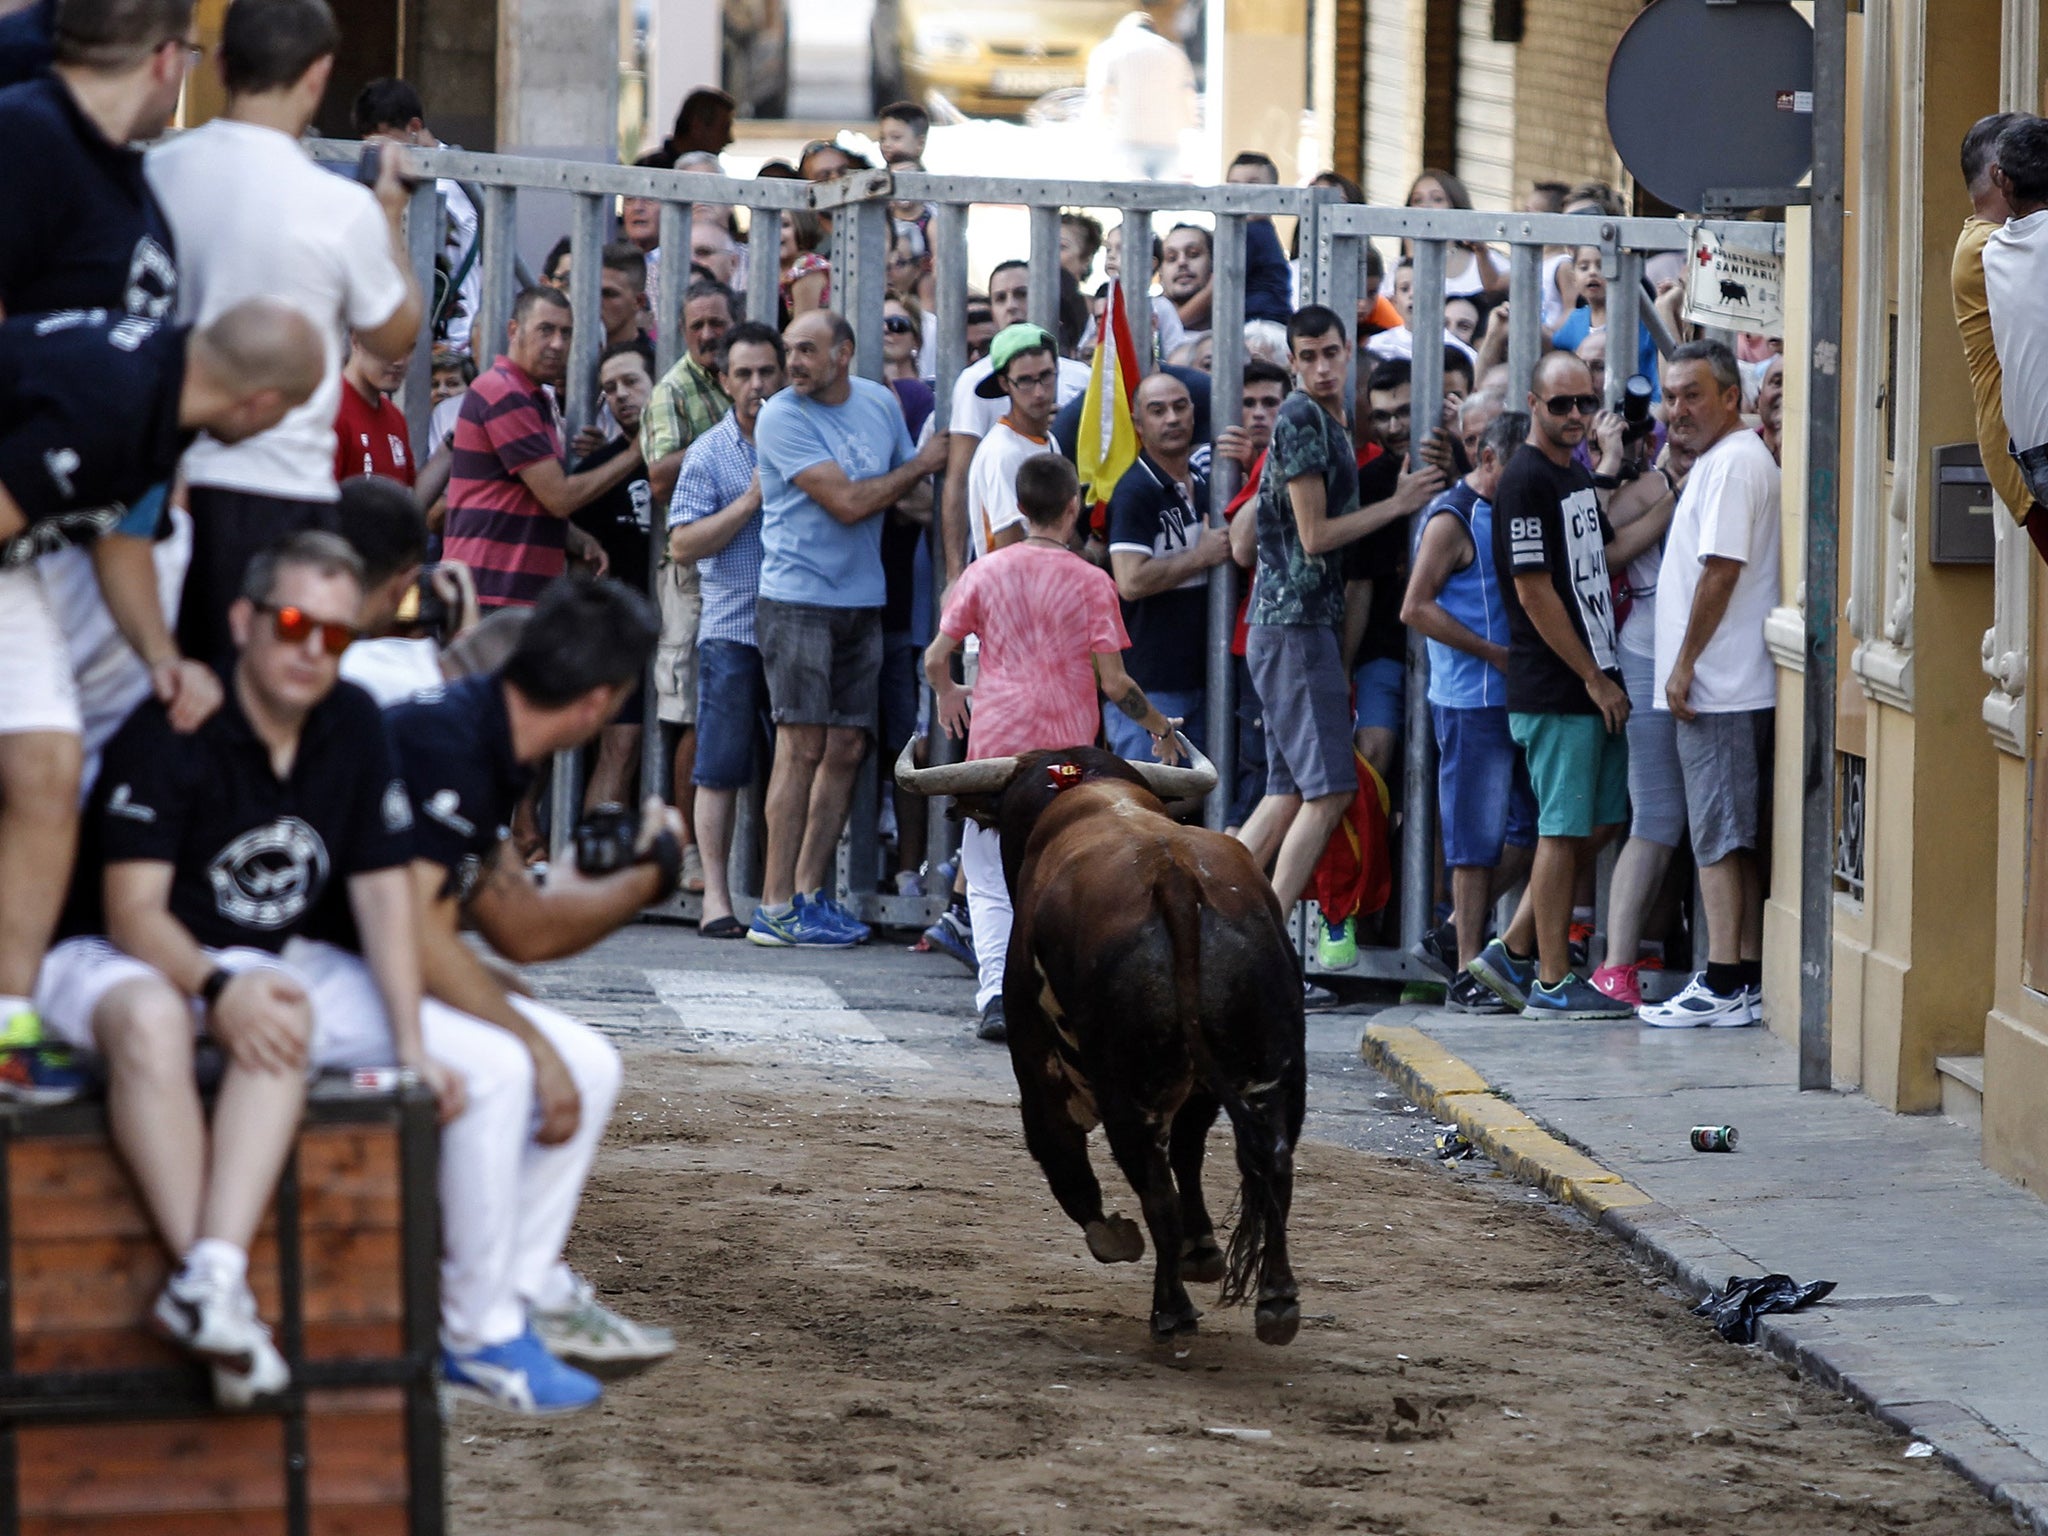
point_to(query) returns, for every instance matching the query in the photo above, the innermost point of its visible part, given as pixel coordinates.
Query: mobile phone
(371, 165)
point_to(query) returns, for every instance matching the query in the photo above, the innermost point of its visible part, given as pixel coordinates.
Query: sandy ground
(888, 1327)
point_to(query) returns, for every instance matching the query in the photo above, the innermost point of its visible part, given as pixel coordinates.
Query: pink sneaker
(1619, 983)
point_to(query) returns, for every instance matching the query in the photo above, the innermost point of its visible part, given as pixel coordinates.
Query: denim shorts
(732, 714)
(1482, 787)
(1579, 770)
(824, 665)
(1382, 689)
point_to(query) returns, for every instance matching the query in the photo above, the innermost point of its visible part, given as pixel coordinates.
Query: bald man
(1161, 550)
(97, 412)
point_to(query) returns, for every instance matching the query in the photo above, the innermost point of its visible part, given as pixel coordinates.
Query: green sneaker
(1337, 944)
(32, 1072)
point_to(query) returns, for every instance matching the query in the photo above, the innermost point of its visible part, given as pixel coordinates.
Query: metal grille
(1849, 826)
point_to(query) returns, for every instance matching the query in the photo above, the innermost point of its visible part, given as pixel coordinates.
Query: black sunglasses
(897, 325)
(1564, 405)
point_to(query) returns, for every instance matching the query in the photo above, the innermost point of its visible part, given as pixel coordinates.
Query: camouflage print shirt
(1292, 585)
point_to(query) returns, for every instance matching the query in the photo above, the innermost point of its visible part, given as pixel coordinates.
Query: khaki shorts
(675, 657)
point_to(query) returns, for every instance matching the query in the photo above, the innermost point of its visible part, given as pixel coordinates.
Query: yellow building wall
(1561, 90)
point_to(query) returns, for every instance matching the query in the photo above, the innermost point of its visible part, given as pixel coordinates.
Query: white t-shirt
(974, 415)
(462, 238)
(255, 217)
(1729, 509)
(2016, 287)
(1400, 343)
(992, 482)
(394, 670)
(1554, 309)
(1167, 331)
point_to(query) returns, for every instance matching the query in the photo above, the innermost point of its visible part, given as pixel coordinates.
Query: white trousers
(988, 905)
(507, 1202)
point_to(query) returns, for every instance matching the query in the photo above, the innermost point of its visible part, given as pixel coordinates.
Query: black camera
(1637, 395)
(424, 613)
(605, 839)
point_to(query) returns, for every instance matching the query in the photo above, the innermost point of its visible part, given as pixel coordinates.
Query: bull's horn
(1175, 783)
(979, 776)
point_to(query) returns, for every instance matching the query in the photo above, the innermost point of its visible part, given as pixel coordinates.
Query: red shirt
(1245, 498)
(1043, 615)
(496, 526)
(370, 438)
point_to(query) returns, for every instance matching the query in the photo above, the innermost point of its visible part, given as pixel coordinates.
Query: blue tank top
(1458, 679)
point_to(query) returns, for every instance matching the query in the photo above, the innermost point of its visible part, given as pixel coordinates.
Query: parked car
(992, 58)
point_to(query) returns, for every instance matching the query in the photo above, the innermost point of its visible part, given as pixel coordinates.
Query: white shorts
(37, 690)
(79, 973)
(111, 678)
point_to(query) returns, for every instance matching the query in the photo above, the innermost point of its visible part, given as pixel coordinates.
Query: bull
(1150, 984)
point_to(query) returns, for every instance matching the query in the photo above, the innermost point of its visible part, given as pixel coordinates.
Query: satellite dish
(1712, 93)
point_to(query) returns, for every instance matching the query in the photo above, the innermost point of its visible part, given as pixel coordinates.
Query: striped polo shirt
(495, 525)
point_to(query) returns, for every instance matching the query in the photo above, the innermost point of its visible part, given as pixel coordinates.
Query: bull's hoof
(1201, 1259)
(1278, 1321)
(1171, 1325)
(1115, 1240)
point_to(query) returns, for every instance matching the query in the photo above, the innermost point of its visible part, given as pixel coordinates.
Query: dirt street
(888, 1326)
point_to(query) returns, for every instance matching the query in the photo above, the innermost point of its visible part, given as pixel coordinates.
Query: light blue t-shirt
(807, 555)
(1578, 325)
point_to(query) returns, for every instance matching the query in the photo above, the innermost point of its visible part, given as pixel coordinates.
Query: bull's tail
(1263, 1164)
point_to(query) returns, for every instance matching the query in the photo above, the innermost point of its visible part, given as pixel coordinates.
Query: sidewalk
(1941, 1311)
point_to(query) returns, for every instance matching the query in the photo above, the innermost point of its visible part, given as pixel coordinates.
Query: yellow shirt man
(1973, 320)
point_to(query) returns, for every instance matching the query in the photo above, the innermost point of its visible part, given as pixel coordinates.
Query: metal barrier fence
(1331, 237)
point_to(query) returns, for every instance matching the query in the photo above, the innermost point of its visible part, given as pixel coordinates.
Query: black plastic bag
(1737, 1305)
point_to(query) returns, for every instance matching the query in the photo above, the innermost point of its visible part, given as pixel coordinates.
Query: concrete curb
(1698, 1262)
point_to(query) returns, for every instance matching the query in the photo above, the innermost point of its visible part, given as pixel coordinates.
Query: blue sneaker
(953, 935)
(796, 926)
(1573, 999)
(829, 909)
(31, 1071)
(519, 1376)
(1507, 978)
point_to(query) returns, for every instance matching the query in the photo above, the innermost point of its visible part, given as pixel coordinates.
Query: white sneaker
(1698, 1007)
(590, 1333)
(216, 1320)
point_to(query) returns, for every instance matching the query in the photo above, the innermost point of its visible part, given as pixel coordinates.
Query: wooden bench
(106, 1431)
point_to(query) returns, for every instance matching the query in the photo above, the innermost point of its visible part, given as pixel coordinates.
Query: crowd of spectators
(308, 755)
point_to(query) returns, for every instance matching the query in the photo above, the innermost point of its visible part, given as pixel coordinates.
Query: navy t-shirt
(82, 229)
(1382, 558)
(454, 751)
(75, 465)
(1150, 514)
(251, 854)
(1268, 280)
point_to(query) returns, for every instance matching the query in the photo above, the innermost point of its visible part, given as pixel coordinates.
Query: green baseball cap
(1009, 341)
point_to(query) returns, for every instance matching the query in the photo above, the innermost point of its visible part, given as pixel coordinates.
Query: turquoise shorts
(1579, 770)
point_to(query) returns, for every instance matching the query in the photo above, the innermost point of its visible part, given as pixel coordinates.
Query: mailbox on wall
(1962, 532)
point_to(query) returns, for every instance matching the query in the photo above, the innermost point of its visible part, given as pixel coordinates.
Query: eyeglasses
(294, 625)
(1564, 405)
(897, 325)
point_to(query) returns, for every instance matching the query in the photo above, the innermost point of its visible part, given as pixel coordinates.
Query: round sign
(1704, 94)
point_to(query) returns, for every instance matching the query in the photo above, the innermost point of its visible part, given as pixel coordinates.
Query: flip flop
(723, 928)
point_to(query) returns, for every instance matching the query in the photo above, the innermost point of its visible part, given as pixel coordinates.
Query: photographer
(541, 1085)
(411, 610)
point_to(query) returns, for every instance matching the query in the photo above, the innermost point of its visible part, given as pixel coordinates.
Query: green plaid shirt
(685, 405)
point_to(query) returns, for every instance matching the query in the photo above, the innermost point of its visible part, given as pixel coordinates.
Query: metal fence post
(498, 213)
(1418, 776)
(949, 281)
(764, 266)
(1044, 275)
(423, 240)
(1823, 448)
(586, 340)
(1226, 409)
(1525, 320)
(668, 346)
(1135, 273)
(1624, 322)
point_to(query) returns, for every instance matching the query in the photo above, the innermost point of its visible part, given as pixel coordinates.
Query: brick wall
(1561, 90)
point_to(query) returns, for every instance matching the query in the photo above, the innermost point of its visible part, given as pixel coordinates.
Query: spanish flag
(1108, 438)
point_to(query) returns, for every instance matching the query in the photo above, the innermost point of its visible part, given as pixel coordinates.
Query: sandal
(723, 928)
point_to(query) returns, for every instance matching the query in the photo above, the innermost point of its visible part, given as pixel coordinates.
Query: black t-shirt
(1546, 517)
(251, 854)
(1381, 557)
(1150, 514)
(74, 462)
(454, 752)
(82, 229)
(618, 519)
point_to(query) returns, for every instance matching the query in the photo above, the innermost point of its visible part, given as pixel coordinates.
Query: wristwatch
(216, 983)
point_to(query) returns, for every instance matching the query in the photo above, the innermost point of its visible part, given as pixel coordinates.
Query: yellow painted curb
(1449, 1088)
